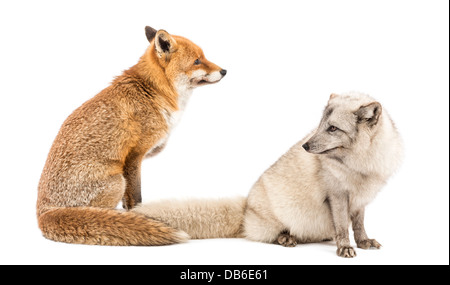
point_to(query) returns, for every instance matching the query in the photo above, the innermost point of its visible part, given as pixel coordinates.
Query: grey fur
(317, 194)
(307, 196)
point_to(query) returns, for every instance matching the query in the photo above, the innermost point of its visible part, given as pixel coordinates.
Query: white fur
(198, 73)
(214, 76)
(184, 91)
(172, 118)
(184, 86)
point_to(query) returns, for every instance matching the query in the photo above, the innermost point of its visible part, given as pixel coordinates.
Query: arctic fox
(313, 192)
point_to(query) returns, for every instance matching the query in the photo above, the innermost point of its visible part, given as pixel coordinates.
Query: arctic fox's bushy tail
(201, 219)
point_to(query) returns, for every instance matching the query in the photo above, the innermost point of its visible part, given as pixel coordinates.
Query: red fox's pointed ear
(165, 44)
(150, 33)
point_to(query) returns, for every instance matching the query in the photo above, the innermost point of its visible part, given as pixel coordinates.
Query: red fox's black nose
(223, 72)
(306, 146)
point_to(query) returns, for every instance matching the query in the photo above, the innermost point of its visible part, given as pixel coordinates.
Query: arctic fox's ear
(369, 113)
(150, 33)
(165, 45)
(333, 95)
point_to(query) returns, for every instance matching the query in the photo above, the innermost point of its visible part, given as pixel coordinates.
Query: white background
(284, 59)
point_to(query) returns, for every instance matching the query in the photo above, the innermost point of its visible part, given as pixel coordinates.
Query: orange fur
(96, 157)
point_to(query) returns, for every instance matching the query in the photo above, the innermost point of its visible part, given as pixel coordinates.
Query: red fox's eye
(197, 61)
(332, 129)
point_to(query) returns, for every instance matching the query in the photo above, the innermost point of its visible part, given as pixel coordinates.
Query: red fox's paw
(285, 239)
(368, 243)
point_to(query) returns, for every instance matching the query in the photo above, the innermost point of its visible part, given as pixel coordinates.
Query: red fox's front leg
(156, 150)
(132, 174)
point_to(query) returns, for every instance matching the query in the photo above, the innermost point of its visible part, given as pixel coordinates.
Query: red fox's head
(183, 61)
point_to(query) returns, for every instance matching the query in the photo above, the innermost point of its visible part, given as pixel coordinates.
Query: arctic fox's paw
(368, 243)
(285, 239)
(346, 251)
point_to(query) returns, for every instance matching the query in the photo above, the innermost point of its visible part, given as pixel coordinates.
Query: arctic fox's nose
(306, 146)
(223, 72)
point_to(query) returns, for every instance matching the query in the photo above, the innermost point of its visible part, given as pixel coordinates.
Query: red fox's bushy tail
(88, 225)
(201, 219)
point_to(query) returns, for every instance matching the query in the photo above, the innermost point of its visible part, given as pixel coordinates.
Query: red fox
(95, 160)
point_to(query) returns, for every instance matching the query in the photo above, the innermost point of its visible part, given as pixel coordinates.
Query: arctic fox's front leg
(340, 212)
(362, 241)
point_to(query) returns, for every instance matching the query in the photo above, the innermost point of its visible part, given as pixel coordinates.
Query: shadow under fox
(313, 193)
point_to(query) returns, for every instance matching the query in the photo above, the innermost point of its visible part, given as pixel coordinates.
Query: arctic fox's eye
(197, 61)
(332, 129)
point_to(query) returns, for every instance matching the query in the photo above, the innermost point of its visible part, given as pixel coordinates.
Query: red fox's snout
(201, 77)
